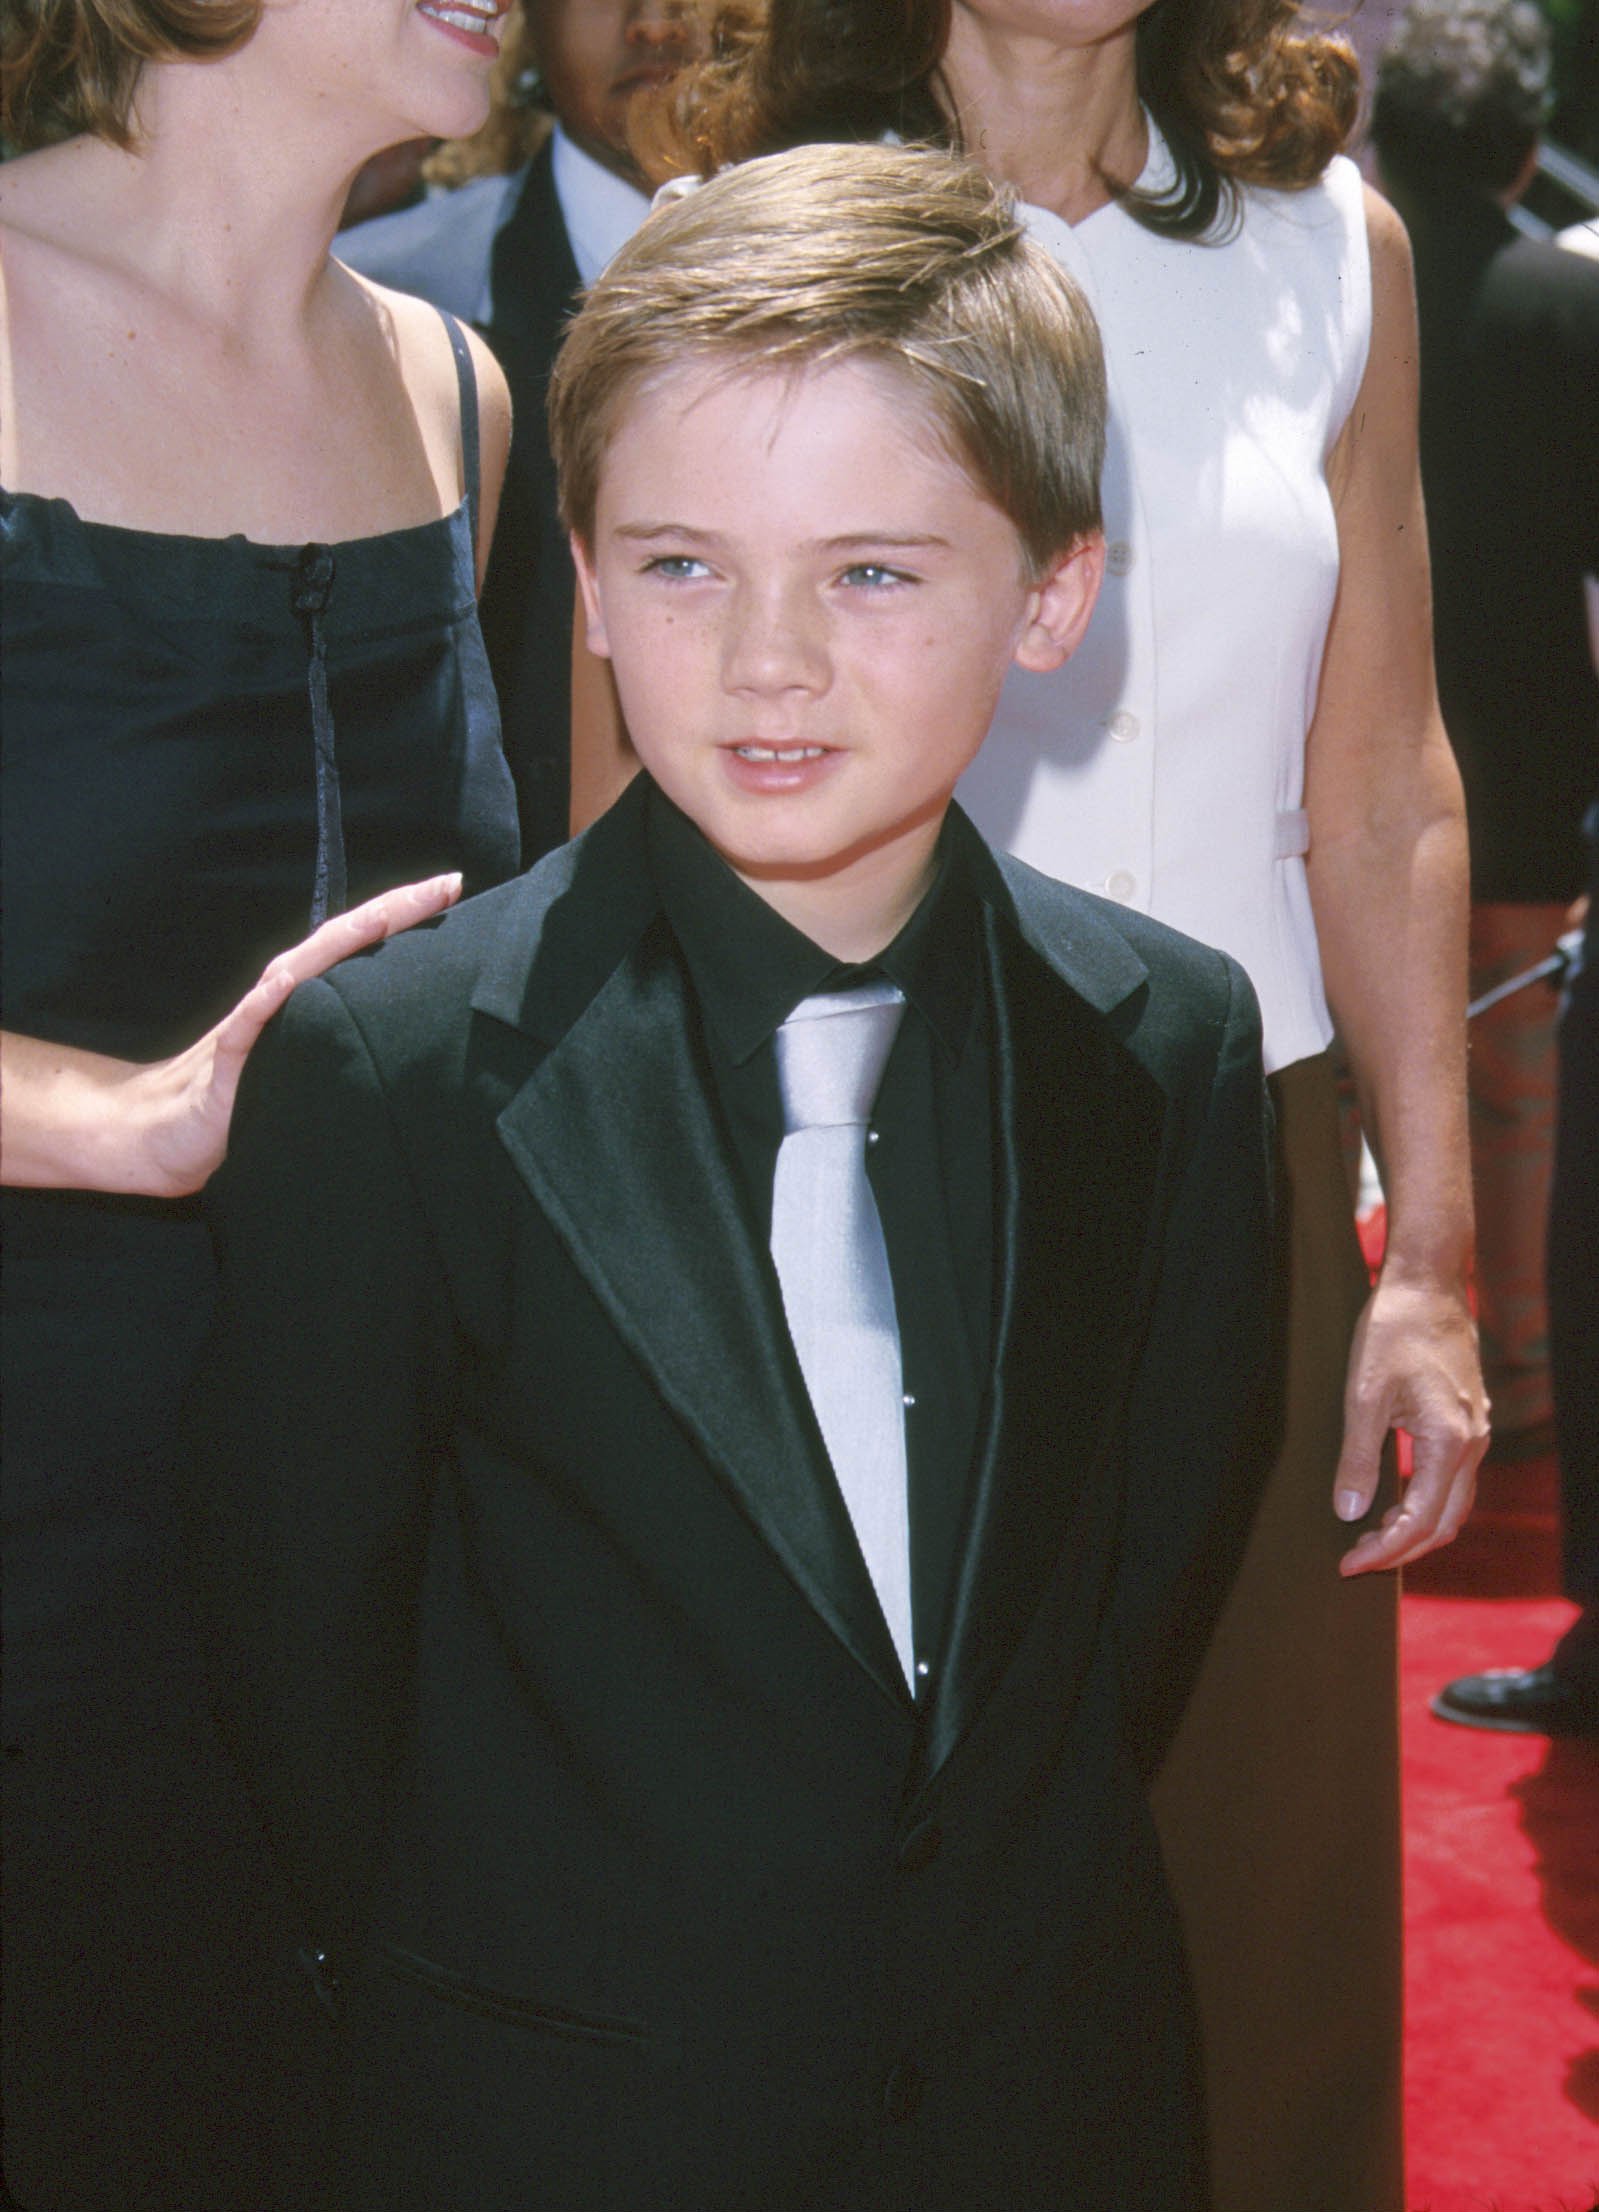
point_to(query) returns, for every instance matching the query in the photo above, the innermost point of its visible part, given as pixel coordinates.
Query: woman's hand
(82, 1121)
(1414, 1366)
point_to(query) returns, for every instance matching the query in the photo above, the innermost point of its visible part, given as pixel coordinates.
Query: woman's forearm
(1390, 898)
(71, 1120)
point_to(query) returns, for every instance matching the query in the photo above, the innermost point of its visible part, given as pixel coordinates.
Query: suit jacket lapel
(1078, 1129)
(615, 1135)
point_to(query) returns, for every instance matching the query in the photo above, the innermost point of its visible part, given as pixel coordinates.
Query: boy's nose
(771, 645)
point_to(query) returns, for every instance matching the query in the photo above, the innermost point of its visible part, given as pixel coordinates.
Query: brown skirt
(1278, 1807)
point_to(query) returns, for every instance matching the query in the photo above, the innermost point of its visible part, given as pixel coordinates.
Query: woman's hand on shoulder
(82, 1121)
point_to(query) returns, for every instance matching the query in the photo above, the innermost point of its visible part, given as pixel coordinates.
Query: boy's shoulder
(1112, 954)
(531, 952)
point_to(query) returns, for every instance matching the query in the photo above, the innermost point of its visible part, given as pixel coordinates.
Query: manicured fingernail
(1351, 1505)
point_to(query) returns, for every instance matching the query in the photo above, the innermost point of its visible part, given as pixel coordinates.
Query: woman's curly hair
(72, 65)
(1243, 91)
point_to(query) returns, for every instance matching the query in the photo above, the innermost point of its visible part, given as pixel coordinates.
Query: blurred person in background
(1248, 746)
(509, 252)
(1510, 465)
(1561, 1697)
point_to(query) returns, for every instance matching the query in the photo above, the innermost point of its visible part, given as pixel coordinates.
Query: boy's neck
(855, 911)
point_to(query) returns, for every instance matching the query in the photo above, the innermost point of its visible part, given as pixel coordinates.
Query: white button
(922, 1667)
(1121, 885)
(907, 1401)
(1118, 556)
(872, 1136)
(1123, 727)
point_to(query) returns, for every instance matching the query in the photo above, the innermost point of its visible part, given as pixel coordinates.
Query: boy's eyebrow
(847, 541)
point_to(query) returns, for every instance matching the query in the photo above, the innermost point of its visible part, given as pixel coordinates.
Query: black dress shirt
(929, 1149)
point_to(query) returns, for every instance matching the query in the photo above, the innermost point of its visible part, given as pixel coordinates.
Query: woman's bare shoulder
(422, 352)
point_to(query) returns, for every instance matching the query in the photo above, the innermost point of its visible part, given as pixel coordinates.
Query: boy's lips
(773, 766)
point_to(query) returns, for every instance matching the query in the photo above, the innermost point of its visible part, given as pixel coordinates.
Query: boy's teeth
(788, 754)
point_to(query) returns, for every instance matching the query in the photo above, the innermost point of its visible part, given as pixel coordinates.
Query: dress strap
(466, 381)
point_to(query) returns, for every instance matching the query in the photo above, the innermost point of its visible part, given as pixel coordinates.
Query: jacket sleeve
(1199, 1413)
(313, 1430)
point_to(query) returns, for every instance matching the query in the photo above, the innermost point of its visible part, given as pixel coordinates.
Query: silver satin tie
(832, 1263)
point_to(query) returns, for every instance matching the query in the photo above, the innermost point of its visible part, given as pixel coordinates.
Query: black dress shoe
(1529, 1701)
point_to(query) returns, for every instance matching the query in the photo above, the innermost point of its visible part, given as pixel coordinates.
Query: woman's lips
(468, 24)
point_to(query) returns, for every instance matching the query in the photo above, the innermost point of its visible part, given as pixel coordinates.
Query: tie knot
(831, 1053)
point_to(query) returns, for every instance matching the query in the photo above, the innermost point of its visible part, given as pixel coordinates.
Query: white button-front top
(1164, 764)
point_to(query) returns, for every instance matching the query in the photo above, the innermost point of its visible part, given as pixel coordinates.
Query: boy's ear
(588, 584)
(1060, 605)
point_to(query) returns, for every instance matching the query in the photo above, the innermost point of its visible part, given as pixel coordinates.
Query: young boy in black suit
(728, 1409)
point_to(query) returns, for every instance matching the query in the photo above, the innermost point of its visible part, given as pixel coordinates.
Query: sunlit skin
(810, 608)
(596, 56)
(1046, 92)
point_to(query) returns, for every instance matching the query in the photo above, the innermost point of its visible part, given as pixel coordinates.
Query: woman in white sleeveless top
(1247, 746)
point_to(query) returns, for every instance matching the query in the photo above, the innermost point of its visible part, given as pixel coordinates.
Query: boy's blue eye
(874, 576)
(674, 566)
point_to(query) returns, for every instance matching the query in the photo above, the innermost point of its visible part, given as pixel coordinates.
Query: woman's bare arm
(1388, 881)
(73, 1120)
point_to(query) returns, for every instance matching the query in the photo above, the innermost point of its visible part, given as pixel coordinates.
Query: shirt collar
(601, 211)
(751, 968)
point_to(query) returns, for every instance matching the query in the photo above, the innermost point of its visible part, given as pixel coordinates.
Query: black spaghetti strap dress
(209, 744)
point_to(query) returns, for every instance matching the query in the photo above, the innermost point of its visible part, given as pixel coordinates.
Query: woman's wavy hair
(1243, 90)
(72, 65)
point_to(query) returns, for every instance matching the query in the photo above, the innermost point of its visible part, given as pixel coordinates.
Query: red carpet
(1502, 1897)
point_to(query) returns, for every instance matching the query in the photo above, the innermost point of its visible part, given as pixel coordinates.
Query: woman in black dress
(244, 692)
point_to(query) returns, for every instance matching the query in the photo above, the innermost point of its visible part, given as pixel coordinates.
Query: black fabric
(1510, 467)
(161, 841)
(529, 592)
(931, 1166)
(527, 598)
(471, 441)
(569, 1702)
(1573, 1299)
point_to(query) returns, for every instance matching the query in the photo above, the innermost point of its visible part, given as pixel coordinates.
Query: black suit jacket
(507, 236)
(547, 1641)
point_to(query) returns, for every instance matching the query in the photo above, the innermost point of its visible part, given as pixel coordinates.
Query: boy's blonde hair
(886, 254)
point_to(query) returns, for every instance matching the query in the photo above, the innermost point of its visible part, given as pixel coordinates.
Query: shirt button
(873, 1136)
(923, 1670)
(1121, 885)
(1118, 556)
(1123, 727)
(907, 1401)
(921, 1847)
(902, 2092)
